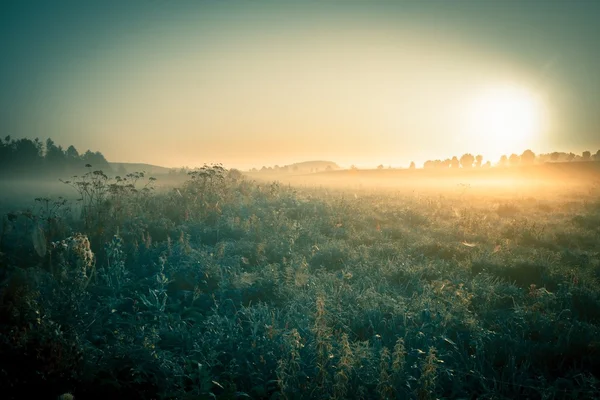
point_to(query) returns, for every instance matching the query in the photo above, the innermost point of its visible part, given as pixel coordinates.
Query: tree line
(528, 157)
(34, 157)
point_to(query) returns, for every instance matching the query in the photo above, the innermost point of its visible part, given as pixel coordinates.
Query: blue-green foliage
(225, 288)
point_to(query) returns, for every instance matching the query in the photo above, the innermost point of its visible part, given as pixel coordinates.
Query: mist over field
(381, 283)
(299, 200)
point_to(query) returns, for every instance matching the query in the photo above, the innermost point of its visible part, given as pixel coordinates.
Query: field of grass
(228, 288)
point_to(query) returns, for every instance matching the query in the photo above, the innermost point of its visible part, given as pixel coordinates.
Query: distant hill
(138, 167)
(301, 167)
(314, 166)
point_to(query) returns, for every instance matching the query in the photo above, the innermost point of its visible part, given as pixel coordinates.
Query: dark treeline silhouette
(26, 157)
(467, 160)
(528, 157)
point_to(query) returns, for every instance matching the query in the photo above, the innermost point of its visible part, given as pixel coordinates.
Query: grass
(226, 288)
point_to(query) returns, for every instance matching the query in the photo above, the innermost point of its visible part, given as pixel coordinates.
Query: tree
(40, 147)
(597, 156)
(26, 151)
(55, 156)
(467, 160)
(528, 157)
(72, 153)
(235, 174)
(555, 156)
(454, 163)
(25, 155)
(29, 156)
(478, 160)
(413, 166)
(97, 160)
(5, 152)
(503, 161)
(514, 160)
(380, 166)
(570, 157)
(73, 158)
(428, 164)
(586, 155)
(488, 164)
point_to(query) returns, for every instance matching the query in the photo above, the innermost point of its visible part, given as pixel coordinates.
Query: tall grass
(227, 288)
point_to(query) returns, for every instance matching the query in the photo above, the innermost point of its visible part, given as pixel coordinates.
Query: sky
(252, 83)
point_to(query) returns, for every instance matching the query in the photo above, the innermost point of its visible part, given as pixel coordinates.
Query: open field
(549, 175)
(474, 286)
(224, 200)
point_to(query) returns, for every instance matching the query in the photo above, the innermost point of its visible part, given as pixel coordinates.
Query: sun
(504, 119)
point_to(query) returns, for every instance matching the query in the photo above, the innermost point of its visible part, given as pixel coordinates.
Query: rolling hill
(139, 167)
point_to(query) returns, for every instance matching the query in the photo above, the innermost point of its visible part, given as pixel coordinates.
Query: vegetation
(225, 288)
(296, 168)
(528, 157)
(19, 157)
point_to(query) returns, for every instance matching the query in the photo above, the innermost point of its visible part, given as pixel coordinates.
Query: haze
(248, 84)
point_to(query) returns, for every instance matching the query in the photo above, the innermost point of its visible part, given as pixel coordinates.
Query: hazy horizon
(265, 83)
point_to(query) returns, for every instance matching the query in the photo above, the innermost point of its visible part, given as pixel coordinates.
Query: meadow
(227, 287)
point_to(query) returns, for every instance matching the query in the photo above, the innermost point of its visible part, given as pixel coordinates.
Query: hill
(139, 167)
(300, 167)
(315, 166)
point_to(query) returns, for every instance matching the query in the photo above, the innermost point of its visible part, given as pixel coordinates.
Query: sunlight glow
(504, 119)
